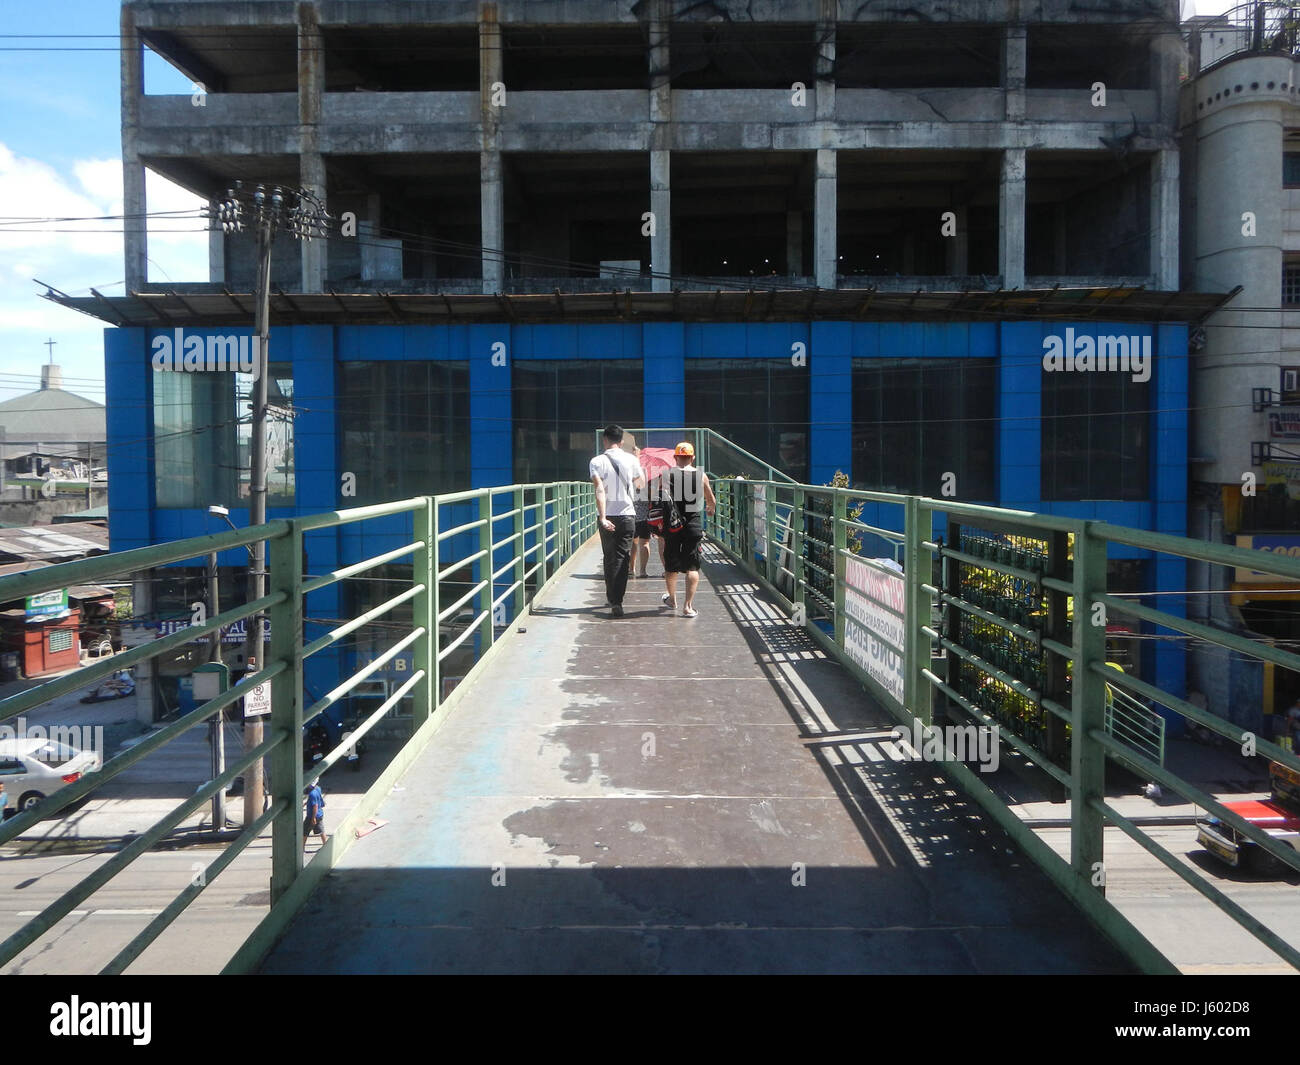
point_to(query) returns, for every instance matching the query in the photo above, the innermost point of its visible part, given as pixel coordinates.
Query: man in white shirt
(617, 477)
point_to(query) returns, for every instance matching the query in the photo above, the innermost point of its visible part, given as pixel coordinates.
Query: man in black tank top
(689, 487)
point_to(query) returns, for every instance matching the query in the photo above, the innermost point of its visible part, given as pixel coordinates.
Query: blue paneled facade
(664, 351)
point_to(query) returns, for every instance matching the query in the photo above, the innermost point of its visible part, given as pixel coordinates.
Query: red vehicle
(1278, 815)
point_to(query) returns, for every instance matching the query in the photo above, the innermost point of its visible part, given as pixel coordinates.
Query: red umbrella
(654, 460)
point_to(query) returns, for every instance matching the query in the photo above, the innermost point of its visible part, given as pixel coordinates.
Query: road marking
(98, 913)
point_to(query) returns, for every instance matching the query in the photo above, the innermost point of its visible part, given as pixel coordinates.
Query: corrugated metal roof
(46, 543)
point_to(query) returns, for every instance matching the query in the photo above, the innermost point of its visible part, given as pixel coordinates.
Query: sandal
(689, 612)
(664, 600)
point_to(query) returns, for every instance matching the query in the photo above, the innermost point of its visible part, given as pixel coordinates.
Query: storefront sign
(48, 606)
(1284, 424)
(868, 594)
(234, 633)
(1287, 473)
(1281, 544)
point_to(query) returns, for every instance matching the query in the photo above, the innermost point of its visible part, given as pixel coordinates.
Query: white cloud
(76, 261)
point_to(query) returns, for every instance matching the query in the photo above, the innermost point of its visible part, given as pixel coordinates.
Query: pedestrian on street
(689, 488)
(4, 803)
(314, 817)
(617, 477)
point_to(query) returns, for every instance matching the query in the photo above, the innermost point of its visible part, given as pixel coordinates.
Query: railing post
(487, 565)
(918, 525)
(796, 554)
(521, 539)
(1088, 707)
(769, 518)
(840, 537)
(286, 711)
(423, 571)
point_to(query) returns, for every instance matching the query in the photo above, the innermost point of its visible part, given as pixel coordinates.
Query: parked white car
(34, 768)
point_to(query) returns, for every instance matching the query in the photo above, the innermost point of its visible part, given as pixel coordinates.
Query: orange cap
(684, 449)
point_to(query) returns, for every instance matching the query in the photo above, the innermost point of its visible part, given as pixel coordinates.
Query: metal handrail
(1100, 708)
(562, 512)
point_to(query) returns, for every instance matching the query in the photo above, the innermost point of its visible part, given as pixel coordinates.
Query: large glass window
(559, 404)
(203, 432)
(760, 404)
(1096, 435)
(404, 428)
(916, 420)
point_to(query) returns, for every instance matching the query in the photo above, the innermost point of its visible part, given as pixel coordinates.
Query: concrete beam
(1011, 217)
(135, 228)
(825, 220)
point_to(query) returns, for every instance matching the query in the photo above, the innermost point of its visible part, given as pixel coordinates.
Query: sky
(60, 157)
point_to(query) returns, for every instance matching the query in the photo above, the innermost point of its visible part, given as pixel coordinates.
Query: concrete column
(369, 236)
(134, 202)
(216, 251)
(825, 220)
(826, 60)
(1013, 71)
(661, 117)
(661, 206)
(1166, 52)
(794, 243)
(1164, 219)
(1011, 215)
(311, 166)
(957, 248)
(491, 197)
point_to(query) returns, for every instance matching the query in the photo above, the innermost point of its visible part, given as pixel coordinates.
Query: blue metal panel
(1019, 411)
(665, 374)
(830, 361)
(128, 417)
(491, 457)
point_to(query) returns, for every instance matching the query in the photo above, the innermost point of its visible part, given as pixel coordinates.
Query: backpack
(665, 515)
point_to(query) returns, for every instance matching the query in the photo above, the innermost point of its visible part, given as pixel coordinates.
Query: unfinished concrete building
(554, 214)
(519, 145)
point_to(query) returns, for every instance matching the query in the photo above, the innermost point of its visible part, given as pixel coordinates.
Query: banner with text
(873, 605)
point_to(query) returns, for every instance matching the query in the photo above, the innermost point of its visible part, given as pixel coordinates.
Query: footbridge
(802, 778)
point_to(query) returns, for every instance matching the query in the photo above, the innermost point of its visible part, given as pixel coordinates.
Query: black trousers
(617, 546)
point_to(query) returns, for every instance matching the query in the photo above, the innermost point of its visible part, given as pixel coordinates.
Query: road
(1178, 920)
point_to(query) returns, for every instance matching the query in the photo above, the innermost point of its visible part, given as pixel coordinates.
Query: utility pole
(219, 719)
(303, 216)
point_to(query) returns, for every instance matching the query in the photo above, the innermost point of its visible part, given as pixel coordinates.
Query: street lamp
(268, 211)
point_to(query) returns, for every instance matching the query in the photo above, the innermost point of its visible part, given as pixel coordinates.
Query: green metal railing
(521, 535)
(714, 453)
(921, 641)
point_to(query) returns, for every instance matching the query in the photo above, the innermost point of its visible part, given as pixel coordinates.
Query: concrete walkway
(662, 794)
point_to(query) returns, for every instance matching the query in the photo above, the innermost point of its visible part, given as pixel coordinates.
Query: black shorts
(643, 530)
(313, 824)
(683, 551)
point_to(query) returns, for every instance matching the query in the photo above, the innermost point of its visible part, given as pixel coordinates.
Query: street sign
(257, 703)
